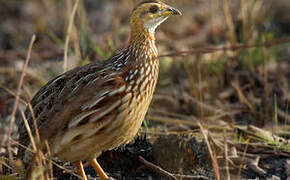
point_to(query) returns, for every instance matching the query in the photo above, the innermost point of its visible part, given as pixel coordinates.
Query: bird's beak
(171, 11)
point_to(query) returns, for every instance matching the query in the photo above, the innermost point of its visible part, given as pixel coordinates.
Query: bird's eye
(153, 9)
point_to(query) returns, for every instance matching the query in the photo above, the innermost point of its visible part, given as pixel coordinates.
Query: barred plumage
(100, 106)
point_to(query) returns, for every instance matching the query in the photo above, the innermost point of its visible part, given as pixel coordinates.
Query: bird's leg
(80, 169)
(98, 169)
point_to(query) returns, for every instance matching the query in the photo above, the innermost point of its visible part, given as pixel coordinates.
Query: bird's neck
(141, 49)
(142, 44)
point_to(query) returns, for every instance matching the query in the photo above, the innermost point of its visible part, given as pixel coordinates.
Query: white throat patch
(153, 24)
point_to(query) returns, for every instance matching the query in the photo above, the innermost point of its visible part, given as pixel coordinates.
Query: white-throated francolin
(99, 106)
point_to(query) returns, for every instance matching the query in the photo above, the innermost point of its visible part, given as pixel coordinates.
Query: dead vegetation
(221, 108)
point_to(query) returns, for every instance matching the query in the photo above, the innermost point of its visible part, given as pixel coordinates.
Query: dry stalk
(172, 114)
(33, 151)
(38, 156)
(190, 74)
(9, 91)
(208, 109)
(69, 30)
(212, 155)
(266, 86)
(3, 163)
(255, 12)
(19, 89)
(49, 159)
(283, 115)
(241, 96)
(242, 160)
(229, 22)
(28, 131)
(226, 155)
(34, 122)
(245, 20)
(200, 92)
(74, 33)
(34, 76)
(66, 170)
(171, 120)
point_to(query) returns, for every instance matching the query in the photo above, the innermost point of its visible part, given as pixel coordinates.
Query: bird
(101, 105)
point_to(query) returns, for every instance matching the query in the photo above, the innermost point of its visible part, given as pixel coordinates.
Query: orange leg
(80, 169)
(98, 169)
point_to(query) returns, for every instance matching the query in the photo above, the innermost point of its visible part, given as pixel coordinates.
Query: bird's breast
(140, 87)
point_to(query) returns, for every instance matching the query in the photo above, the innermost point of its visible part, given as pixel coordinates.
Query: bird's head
(149, 14)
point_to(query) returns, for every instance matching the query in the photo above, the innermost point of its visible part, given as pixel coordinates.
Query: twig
(283, 115)
(74, 35)
(241, 96)
(38, 156)
(200, 94)
(242, 160)
(171, 114)
(245, 21)
(21, 145)
(266, 85)
(20, 85)
(226, 155)
(9, 91)
(2, 162)
(49, 159)
(30, 74)
(34, 122)
(190, 177)
(28, 131)
(172, 120)
(213, 157)
(206, 107)
(161, 171)
(207, 50)
(157, 169)
(190, 121)
(54, 163)
(229, 23)
(69, 29)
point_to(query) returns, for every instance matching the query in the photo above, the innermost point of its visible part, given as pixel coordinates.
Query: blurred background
(224, 64)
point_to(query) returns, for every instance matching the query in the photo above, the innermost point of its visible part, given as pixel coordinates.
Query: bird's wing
(69, 99)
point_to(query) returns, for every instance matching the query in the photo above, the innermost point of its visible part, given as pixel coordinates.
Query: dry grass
(69, 30)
